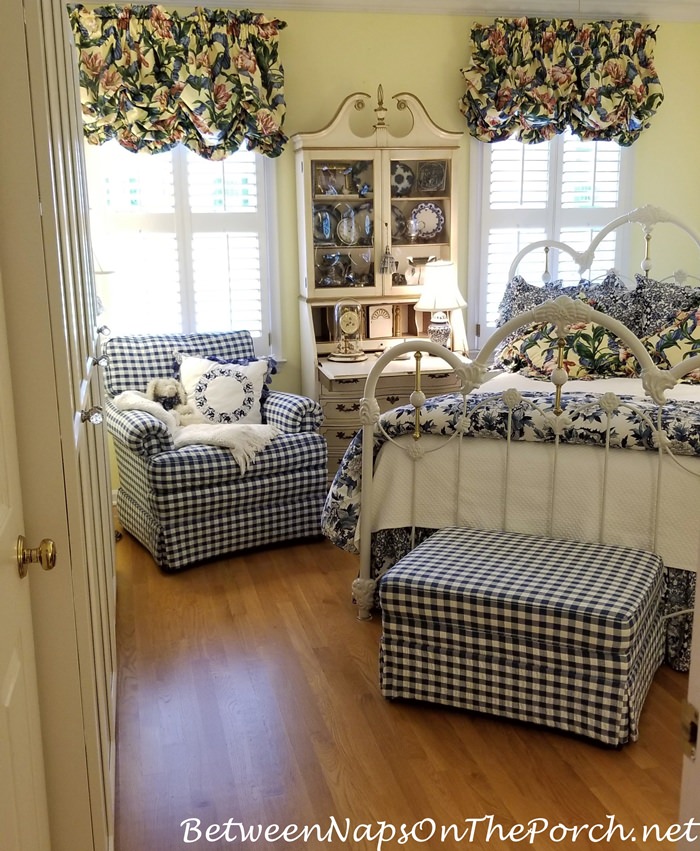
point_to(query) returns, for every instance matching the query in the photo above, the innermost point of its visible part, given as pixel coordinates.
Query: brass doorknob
(44, 554)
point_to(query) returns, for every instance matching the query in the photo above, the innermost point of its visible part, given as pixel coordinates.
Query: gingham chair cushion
(198, 466)
(235, 497)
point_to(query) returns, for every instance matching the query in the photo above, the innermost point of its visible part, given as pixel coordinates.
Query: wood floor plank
(248, 691)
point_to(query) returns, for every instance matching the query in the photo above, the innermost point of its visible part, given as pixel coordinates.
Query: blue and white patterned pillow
(224, 392)
(660, 301)
(520, 296)
(614, 298)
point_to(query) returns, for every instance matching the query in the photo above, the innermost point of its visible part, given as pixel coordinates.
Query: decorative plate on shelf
(325, 223)
(364, 216)
(348, 231)
(402, 179)
(398, 222)
(431, 176)
(361, 174)
(430, 219)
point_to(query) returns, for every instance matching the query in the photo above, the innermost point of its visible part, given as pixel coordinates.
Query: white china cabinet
(374, 206)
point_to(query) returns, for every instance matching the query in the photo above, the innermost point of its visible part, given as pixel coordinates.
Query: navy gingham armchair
(193, 503)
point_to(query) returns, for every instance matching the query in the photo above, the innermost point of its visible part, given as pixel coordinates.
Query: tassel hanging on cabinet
(388, 263)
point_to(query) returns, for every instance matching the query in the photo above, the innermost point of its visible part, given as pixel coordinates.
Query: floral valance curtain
(152, 79)
(531, 79)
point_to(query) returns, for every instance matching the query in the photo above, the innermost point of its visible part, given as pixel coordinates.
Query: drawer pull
(348, 409)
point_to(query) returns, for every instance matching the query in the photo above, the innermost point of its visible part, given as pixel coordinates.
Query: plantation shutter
(179, 241)
(226, 279)
(564, 189)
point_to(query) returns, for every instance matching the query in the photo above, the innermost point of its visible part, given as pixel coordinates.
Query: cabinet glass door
(420, 201)
(342, 226)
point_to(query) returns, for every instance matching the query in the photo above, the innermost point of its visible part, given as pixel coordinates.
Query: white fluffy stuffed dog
(169, 393)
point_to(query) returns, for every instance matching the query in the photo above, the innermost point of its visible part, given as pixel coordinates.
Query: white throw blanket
(244, 440)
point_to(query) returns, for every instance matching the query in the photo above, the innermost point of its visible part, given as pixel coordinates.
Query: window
(565, 189)
(180, 242)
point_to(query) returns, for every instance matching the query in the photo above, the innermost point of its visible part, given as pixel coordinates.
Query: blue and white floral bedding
(582, 423)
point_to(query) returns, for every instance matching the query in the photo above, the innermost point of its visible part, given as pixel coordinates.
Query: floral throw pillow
(224, 392)
(590, 351)
(677, 341)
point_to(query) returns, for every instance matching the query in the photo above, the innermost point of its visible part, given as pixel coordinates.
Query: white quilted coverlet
(462, 483)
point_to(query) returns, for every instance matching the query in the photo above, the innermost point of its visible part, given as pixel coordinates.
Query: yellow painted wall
(666, 160)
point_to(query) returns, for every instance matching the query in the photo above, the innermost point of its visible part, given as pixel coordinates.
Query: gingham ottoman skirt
(559, 633)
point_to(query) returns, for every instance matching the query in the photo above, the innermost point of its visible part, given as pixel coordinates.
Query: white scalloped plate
(430, 218)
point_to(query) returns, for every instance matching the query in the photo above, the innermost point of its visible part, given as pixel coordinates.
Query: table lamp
(440, 295)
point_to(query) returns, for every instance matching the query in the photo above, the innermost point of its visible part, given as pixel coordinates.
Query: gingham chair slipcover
(190, 504)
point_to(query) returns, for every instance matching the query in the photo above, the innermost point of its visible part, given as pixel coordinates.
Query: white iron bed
(565, 463)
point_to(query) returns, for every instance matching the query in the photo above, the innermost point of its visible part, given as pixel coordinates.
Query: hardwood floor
(248, 693)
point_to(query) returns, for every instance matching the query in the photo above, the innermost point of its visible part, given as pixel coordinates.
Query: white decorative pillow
(224, 392)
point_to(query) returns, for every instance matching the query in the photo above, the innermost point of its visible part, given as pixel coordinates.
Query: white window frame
(553, 219)
(263, 222)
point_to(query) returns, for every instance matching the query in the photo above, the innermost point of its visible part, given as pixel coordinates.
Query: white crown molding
(639, 10)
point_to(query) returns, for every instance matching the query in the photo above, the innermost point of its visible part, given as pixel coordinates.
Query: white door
(23, 812)
(49, 309)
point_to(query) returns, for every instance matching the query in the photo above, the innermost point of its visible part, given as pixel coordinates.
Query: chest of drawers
(342, 387)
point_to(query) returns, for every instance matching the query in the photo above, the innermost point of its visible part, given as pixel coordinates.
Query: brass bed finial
(417, 397)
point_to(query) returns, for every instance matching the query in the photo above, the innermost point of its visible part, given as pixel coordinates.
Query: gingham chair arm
(292, 413)
(138, 431)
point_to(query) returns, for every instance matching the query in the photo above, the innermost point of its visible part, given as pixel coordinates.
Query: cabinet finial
(380, 110)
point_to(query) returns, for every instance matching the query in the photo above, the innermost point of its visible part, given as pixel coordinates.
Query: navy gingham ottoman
(558, 633)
